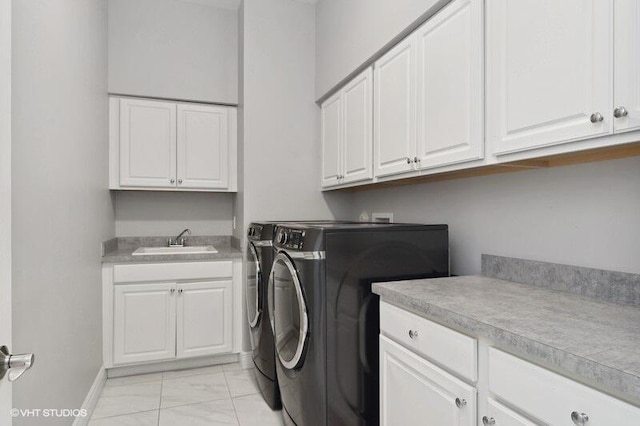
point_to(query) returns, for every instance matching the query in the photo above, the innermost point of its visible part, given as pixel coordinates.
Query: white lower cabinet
(551, 398)
(421, 385)
(415, 392)
(499, 415)
(144, 323)
(192, 314)
(204, 318)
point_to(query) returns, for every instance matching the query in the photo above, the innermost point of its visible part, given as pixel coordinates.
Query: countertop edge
(623, 385)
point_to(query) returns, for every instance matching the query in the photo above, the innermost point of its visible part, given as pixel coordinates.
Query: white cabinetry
(347, 140)
(626, 65)
(395, 109)
(549, 72)
(160, 145)
(416, 392)
(427, 376)
(168, 311)
(147, 143)
(204, 318)
(203, 147)
(429, 94)
(144, 323)
(450, 103)
(553, 399)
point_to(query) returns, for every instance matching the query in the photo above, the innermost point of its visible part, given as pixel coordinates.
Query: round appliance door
(254, 279)
(288, 312)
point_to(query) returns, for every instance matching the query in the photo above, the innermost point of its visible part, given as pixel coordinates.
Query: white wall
(351, 32)
(280, 139)
(585, 215)
(5, 193)
(142, 214)
(175, 49)
(61, 206)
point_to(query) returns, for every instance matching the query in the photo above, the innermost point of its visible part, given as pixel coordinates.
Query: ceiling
(232, 4)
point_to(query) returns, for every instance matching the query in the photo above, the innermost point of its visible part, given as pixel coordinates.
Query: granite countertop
(120, 250)
(593, 341)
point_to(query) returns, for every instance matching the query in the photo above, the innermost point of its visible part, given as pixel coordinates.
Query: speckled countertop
(591, 340)
(120, 250)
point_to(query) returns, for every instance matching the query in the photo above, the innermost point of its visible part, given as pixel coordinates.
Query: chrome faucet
(179, 240)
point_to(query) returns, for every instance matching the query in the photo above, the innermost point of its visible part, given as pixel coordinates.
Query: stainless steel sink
(151, 251)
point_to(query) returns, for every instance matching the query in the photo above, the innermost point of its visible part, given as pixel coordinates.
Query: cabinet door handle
(461, 403)
(179, 181)
(413, 334)
(416, 160)
(172, 181)
(488, 421)
(596, 117)
(620, 112)
(180, 292)
(409, 160)
(172, 291)
(579, 419)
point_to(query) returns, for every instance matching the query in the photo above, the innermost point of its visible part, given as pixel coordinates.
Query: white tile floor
(211, 396)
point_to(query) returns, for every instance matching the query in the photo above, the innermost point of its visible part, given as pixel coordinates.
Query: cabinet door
(548, 71)
(147, 143)
(504, 416)
(357, 147)
(395, 109)
(203, 147)
(204, 318)
(331, 111)
(450, 85)
(416, 392)
(144, 323)
(627, 65)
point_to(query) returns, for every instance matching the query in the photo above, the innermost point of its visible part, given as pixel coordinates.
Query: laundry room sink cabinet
(171, 311)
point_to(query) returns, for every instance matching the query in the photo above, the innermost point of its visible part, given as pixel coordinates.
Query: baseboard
(132, 370)
(92, 397)
(245, 359)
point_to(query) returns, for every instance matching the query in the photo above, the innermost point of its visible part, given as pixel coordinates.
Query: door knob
(579, 419)
(15, 365)
(488, 421)
(620, 112)
(596, 117)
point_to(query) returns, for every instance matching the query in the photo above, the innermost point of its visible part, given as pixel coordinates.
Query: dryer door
(254, 281)
(289, 318)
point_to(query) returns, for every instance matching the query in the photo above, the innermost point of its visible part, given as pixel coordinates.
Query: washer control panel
(290, 238)
(255, 232)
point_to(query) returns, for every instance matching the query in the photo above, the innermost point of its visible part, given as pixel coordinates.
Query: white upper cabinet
(549, 73)
(347, 140)
(358, 128)
(626, 65)
(147, 143)
(450, 119)
(395, 109)
(331, 140)
(203, 146)
(157, 145)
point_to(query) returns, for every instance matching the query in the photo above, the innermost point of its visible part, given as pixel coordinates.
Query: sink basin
(150, 251)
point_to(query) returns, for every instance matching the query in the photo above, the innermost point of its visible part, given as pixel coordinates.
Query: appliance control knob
(283, 238)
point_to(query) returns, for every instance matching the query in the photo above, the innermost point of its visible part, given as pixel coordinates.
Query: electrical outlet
(382, 217)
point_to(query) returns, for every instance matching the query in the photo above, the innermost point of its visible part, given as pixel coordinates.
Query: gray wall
(140, 213)
(280, 138)
(61, 206)
(173, 49)
(585, 215)
(351, 32)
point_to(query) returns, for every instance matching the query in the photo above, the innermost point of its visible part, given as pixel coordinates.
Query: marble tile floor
(210, 396)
